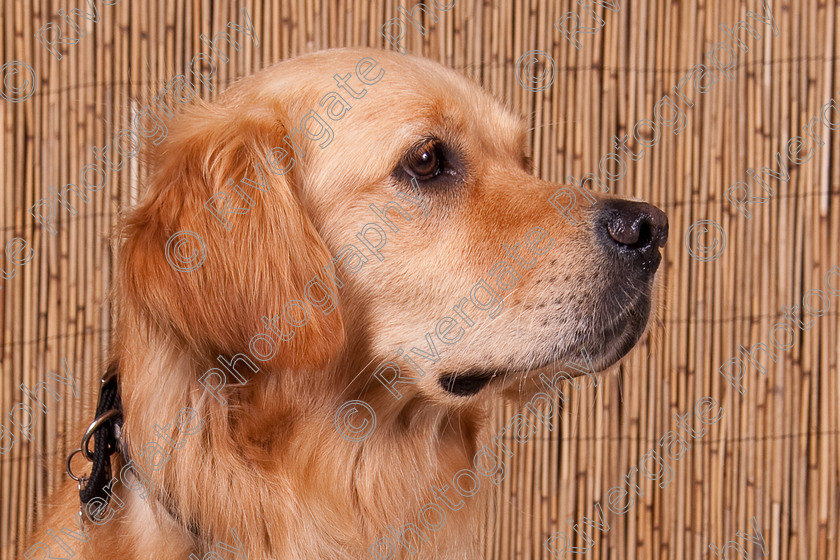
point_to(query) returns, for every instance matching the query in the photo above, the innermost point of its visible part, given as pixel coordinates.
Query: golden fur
(270, 463)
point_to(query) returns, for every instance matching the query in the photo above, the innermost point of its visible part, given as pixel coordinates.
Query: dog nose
(634, 231)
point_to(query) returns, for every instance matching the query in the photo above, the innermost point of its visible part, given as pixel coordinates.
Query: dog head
(373, 215)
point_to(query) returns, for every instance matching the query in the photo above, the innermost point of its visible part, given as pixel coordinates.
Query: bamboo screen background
(774, 454)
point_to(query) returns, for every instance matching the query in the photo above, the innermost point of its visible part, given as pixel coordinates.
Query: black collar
(106, 431)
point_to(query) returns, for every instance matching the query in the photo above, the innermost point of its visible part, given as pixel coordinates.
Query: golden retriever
(369, 233)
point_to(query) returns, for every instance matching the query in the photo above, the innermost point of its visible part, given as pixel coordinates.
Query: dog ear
(221, 244)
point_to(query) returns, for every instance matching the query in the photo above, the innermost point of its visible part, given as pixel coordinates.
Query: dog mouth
(468, 383)
(607, 346)
(621, 333)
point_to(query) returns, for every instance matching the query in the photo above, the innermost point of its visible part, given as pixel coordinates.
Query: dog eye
(425, 162)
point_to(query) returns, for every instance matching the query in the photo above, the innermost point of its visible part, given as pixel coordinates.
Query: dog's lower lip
(632, 322)
(468, 383)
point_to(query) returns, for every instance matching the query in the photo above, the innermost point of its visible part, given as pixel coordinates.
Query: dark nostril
(624, 231)
(637, 229)
(639, 233)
